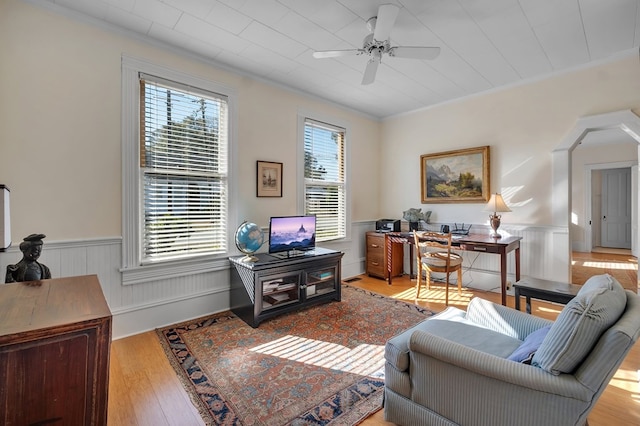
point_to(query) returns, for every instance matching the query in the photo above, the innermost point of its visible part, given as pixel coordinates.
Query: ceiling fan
(377, 43)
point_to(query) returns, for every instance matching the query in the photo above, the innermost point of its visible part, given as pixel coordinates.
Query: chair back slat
(433, 253)
(427, 241)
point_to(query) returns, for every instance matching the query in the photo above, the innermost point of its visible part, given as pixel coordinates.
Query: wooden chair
(433, 254)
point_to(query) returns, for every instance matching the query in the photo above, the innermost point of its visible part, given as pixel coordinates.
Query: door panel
(616, 208)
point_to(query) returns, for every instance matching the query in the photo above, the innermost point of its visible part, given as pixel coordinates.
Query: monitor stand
(292, 253)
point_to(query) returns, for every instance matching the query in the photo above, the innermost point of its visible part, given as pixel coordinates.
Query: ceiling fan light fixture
(377, 43)
(370, 72)
(371, 24)
(414, 52)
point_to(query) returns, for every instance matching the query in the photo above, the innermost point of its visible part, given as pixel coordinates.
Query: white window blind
(183, 161)
(324, 175)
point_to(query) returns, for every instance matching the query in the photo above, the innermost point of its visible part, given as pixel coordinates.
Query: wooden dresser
(55, 338)
(377, 259)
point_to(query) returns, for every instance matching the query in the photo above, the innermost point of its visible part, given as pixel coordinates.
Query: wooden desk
(473, 242)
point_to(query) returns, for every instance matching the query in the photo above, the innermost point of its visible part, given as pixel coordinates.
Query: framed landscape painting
(460, 176)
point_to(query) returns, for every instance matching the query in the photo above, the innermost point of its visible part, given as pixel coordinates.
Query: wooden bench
(551, 291)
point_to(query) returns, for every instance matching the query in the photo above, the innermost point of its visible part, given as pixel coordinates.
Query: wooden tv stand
(272, 285)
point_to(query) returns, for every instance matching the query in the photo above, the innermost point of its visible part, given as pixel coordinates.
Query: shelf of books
(321, 281)
(280, 291)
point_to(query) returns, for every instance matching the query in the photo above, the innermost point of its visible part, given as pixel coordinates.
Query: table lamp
(496, 205)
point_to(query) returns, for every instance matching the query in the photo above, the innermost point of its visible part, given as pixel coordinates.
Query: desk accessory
(496, 205)
(460, 230)
(414, 216)
(388, 225)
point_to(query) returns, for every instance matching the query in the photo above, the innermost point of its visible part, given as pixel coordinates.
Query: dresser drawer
(375, 243)
(376, 262)
(376, 265)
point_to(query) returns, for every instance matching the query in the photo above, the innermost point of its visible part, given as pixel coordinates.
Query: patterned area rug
(323, 365)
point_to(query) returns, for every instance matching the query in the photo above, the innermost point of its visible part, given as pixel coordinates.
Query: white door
(616, 208)
(634, 210)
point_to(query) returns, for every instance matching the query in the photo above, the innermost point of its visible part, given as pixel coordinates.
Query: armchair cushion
(451, 323)
(503, 319)
(528, 348)
(580, 324)
(598, 282)
(396, 350)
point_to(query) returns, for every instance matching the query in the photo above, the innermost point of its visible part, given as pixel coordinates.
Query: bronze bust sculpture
(29, 269)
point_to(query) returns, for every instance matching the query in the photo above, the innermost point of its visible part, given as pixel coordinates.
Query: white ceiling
(485, 44)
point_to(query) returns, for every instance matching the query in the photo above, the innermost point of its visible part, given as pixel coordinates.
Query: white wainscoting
(144, 306)
(543, 254)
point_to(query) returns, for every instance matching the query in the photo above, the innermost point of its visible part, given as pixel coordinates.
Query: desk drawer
(376, 256)
(375, 243)
(480, 248)
(376, 266)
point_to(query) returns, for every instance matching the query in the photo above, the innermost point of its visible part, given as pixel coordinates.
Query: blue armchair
(454, 368)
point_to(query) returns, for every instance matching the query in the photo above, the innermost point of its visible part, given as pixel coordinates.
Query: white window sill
(166, 270)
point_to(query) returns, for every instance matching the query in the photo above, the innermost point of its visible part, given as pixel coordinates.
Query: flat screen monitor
(292, 233)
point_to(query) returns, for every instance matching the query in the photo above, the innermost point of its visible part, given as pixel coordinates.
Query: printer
(388, 225)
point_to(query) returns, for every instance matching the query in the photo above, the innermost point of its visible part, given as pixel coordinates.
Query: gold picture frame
(460, 176)
(269, 179)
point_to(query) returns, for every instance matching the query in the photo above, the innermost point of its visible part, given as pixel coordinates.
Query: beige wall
(522, 124)
(60, 119)
(60, 112)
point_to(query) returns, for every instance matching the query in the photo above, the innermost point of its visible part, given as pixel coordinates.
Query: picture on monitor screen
(292, 233)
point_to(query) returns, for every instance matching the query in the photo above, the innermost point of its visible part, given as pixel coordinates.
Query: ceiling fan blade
(387, 14)
(336, 53)
(414, 52)
(370, 72)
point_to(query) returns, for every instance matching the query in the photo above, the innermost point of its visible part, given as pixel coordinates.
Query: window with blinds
(324, 178)
(183, 163)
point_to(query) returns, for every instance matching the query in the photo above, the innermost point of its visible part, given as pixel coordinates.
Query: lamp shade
(5, 224)
(496, 204)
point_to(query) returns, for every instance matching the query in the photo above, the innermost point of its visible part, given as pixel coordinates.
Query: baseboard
(149, 317)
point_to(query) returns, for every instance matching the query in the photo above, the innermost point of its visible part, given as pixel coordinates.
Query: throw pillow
(529, 346)
(600, 281)
(580, 325)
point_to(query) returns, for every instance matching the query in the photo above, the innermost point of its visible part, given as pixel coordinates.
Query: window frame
(303, 116)
(133, 270)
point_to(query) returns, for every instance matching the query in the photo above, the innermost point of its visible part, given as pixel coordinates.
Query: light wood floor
(144, 389)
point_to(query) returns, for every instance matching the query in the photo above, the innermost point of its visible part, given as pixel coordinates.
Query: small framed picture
(269, 179)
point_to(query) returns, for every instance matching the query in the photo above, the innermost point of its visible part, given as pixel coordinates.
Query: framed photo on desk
(460, 176)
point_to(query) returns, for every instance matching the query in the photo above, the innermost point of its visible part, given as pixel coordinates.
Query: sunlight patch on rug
(364, 359)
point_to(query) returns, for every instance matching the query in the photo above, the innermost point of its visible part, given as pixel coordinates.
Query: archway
(626, 121)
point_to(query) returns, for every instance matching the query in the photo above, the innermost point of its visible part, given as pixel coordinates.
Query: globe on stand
(249, 238)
